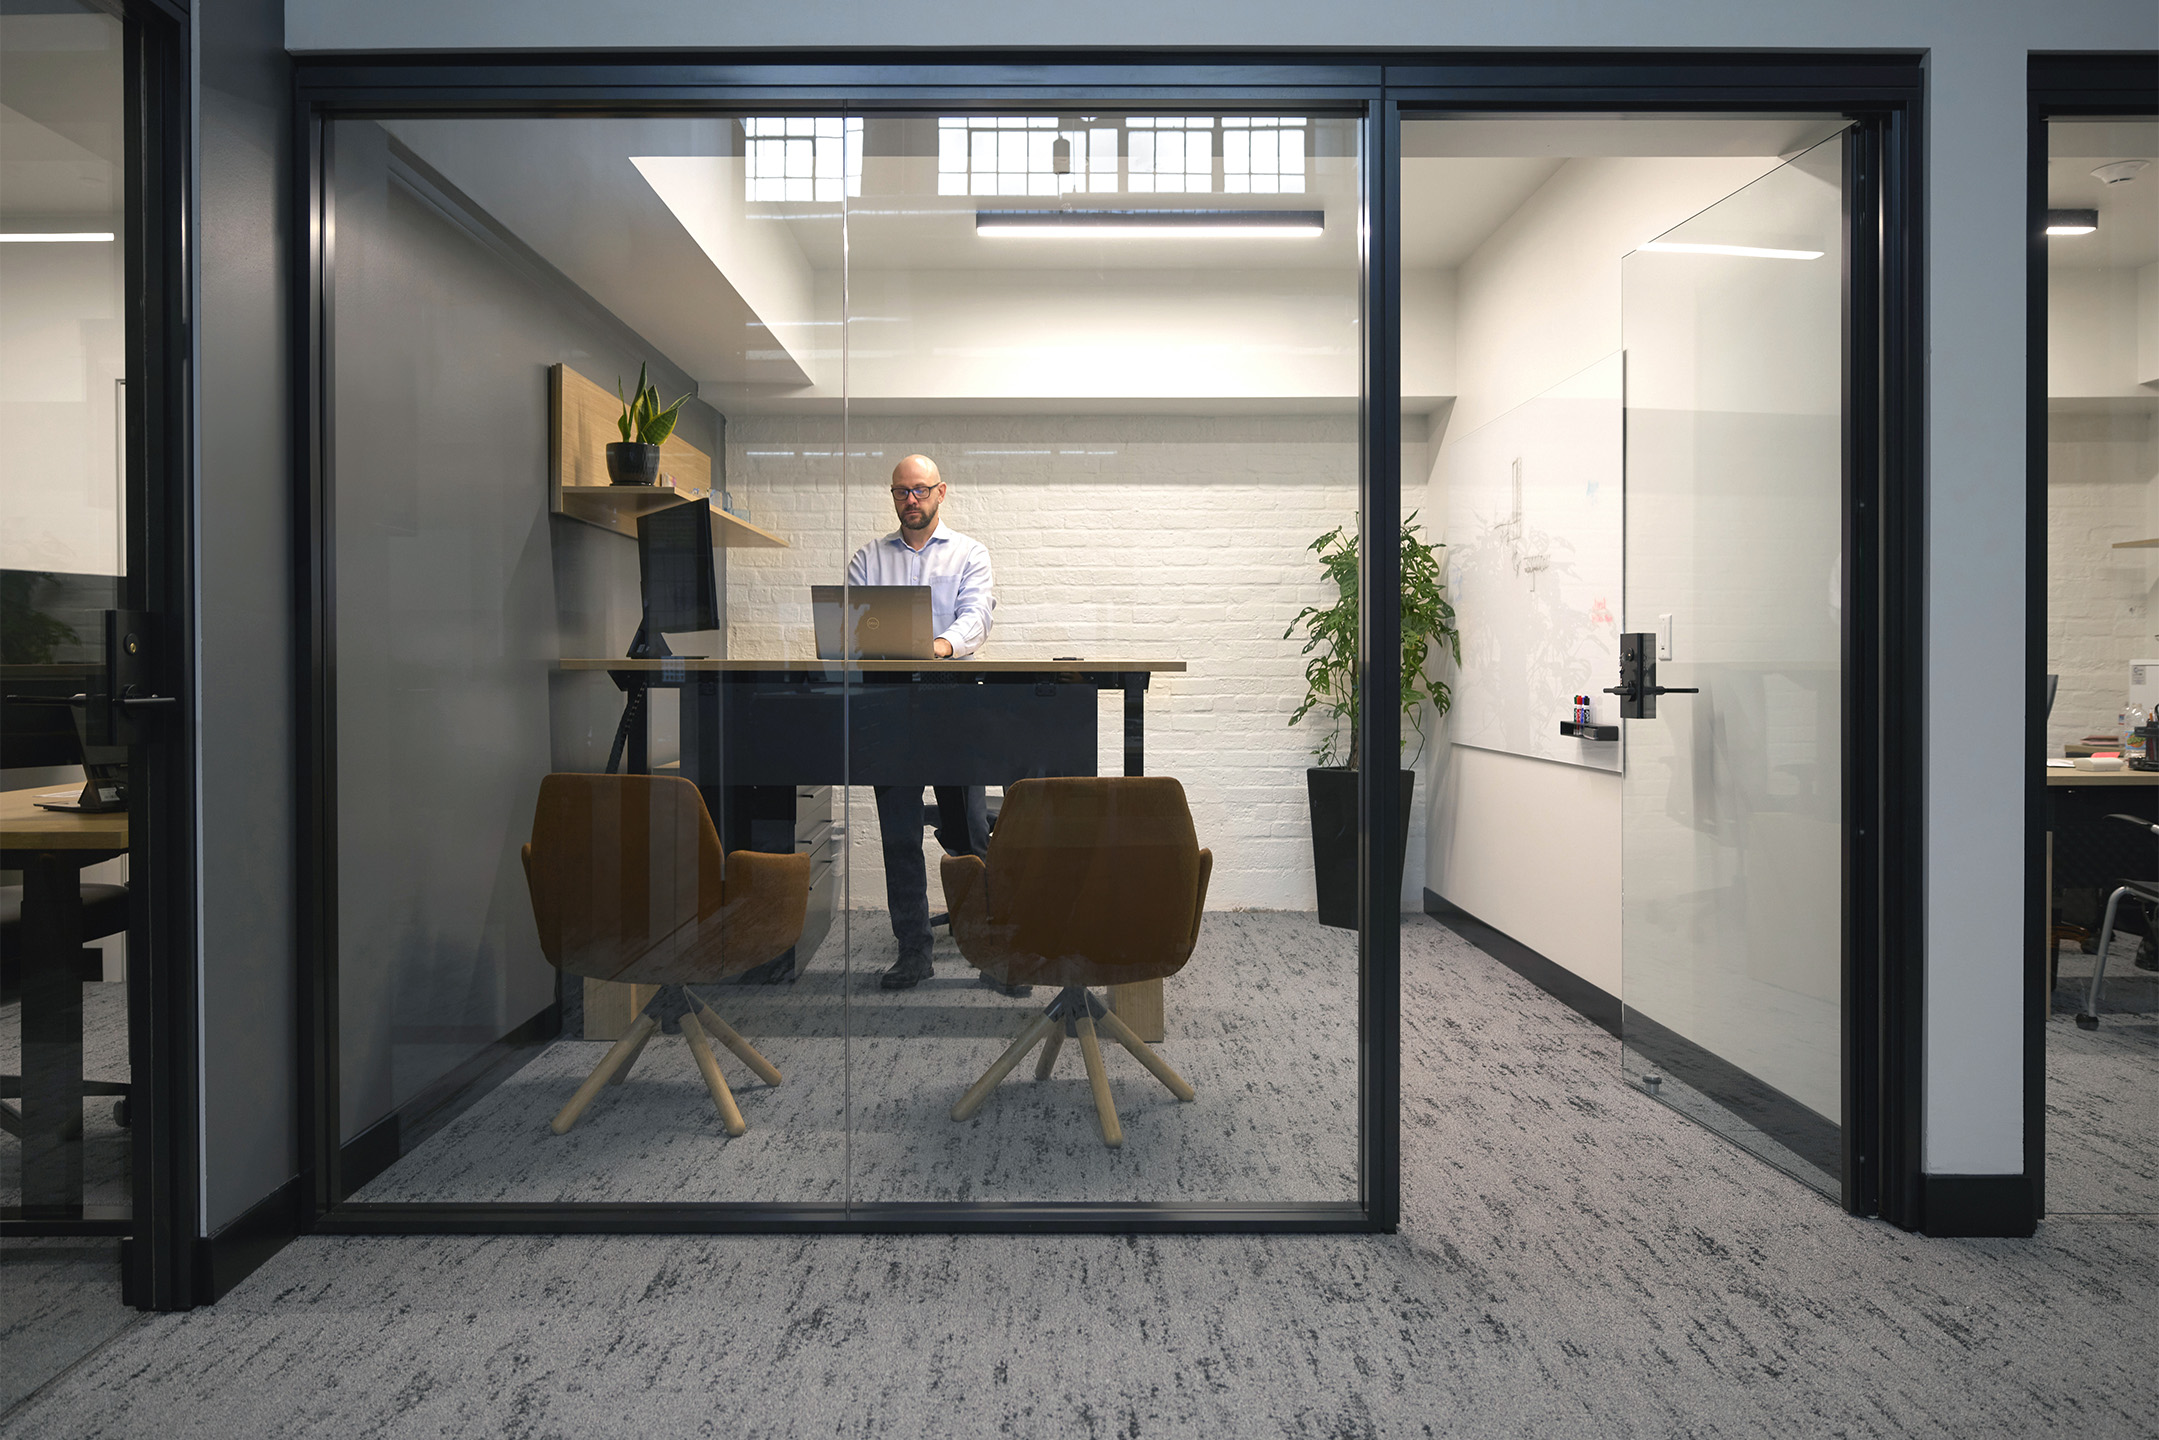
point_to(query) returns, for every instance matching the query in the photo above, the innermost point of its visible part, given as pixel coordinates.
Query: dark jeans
(899, 823)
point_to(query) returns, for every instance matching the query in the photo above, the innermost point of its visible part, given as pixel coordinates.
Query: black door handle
(1638, 688)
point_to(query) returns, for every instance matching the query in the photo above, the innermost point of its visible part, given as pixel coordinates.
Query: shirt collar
(937, 536)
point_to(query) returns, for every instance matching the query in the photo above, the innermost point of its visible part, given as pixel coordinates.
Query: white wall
(2093, 332)
(1158, 536)
(1536, 303)
(62, 348)
(1976, 58)
(2102, 487)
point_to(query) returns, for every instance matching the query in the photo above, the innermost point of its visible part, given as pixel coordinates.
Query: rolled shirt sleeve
(976, 606)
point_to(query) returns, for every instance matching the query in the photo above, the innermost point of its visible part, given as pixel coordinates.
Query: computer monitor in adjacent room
(676, 576)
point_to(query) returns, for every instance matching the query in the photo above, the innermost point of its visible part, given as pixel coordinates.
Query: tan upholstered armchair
(1089, 882)
(628, 884)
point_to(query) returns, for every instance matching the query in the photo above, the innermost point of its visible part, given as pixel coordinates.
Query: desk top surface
(23, 826)
(2101, 777)
(682, 665)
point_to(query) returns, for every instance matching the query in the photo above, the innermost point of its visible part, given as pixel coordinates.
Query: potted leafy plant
(645, 426)
(1330, 677)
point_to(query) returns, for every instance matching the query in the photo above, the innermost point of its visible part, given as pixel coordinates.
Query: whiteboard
(1535, 528)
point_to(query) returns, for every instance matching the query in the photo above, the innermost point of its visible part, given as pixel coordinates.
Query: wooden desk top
(23, 826)
(888, 667)
(2101, 777)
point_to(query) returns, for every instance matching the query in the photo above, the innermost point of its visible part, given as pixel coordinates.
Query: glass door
(1732, 810)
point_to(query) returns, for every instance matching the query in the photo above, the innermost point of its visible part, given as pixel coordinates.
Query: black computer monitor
(676, 575)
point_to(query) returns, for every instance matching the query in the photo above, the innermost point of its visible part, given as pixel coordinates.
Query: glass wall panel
(586, 885)
(1733, 826)
(1627, 437)
(706, 840)
(1102, 385)
(2102, 1029)
(65, 1151)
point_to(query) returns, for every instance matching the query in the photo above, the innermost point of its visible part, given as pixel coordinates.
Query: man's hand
(941, 648)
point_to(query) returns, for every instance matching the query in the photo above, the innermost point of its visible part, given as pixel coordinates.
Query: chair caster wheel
(2087, 1022)
(120, 1113)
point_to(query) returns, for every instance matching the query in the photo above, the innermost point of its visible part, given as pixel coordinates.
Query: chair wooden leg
(1105, 1109)
(722, 1097)
(747, 1053)
(621, 1051)
(992, 1077)
(1122, 1034)
(629, 1063)
(1050, 1047)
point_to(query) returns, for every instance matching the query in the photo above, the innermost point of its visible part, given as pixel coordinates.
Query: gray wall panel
(249, 1002)
(455, 593)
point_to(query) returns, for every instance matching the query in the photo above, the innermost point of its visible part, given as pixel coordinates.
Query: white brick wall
(1151, 536)
(2102, 486)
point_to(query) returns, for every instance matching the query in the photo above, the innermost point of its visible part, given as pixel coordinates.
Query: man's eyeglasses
(913, 492)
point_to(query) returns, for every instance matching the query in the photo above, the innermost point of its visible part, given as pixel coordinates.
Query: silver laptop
(882, 622)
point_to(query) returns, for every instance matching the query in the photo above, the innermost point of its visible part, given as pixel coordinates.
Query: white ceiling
(61, 128)
(2128, 234)
(1451, 206)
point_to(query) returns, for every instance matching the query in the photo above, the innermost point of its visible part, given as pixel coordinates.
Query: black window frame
(1885, 836)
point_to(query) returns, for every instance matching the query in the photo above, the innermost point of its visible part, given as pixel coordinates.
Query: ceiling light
(2115, 172)
(1758, 252)
(55, 237)
(2072, 222)
(1154, 224)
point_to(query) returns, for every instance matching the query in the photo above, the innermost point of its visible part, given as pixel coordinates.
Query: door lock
(1638, 688)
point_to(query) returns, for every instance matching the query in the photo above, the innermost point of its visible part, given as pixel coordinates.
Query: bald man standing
(926, 551)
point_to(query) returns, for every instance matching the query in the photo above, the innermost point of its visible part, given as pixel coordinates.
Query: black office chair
(104, 912)
(2146, 894)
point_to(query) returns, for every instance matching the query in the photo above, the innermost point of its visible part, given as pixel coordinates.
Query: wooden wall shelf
(583, 417)
(2136, 544)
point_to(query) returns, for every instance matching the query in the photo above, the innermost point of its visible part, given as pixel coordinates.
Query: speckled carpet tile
(1574, 1260)
(1262, 1022)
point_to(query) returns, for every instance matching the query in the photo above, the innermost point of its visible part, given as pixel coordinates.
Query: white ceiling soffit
(62, 129)
(1451, 206)
(1571, 136)
(728, 301)
(2122, 139)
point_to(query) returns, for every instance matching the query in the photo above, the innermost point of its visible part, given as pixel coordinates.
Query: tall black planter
(1333, 793)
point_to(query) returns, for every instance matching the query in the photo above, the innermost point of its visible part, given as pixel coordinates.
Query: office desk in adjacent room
(2088, 854)
(51, 848)
(765, 739)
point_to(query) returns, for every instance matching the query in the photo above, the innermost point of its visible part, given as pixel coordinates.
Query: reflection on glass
(66, 1155)
(961, 553)
(1732, 833)
(1136, 439)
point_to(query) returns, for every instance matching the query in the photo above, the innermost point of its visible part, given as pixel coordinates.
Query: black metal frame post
(2066, 86)
(1372, 85)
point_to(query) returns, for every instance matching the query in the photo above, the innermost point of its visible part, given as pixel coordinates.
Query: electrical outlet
(1664, 637)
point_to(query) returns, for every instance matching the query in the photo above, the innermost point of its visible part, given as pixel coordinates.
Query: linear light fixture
(2072, 222)
(1758, 252)
(54, 237)
(1154, 224)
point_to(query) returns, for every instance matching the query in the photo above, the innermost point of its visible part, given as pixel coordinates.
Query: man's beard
(923, 521)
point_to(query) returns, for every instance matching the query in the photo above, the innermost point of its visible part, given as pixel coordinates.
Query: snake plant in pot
(645, 425)
(1330, 676)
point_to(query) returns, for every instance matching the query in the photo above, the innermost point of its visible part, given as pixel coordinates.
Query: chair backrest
(1101, 870)
(623, 869)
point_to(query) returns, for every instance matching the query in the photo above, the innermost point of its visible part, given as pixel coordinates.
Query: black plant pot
(1333, 792)
(629, 463)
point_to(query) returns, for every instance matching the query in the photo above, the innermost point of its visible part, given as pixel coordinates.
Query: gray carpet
(1262, 1022)
(1575, 1260)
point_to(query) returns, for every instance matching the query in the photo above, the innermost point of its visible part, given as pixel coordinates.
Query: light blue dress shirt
(956, 567)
